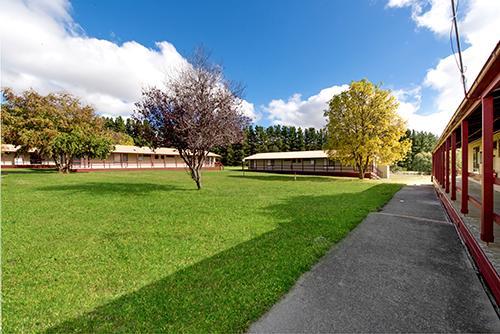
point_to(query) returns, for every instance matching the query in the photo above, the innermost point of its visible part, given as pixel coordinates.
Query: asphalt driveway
(403, 269)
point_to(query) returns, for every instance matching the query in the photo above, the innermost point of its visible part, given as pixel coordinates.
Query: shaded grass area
(145, 252)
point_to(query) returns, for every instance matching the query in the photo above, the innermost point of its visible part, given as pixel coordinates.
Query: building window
(157, 157)
(312, 161)
(162, 157)
(269, 162)
(476, 159)
(140, 157)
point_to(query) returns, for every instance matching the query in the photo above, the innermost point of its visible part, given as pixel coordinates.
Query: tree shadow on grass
(107, 188)
(226, 292)
(34, 171)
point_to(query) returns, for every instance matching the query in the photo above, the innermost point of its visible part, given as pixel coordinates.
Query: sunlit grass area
(144, 251)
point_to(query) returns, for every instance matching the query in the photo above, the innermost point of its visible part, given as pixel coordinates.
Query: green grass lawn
(145, 251)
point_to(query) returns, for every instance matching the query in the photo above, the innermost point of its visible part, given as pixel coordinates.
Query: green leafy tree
(250, 141)
(261, 139)
(120, 138)
(55, 125)
(120, 125)
(421, 142)
(300, 140)
(422, 162)
(364, 127)
(310, 138)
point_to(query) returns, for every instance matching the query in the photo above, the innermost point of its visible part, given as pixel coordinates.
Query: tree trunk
(194, 163)
(60, 164)
(196, 175)
(361, 170)
(64, 164)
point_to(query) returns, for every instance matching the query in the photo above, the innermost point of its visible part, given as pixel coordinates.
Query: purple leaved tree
(196, 111)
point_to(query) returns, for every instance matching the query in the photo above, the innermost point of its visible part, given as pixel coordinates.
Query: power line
(455, 26)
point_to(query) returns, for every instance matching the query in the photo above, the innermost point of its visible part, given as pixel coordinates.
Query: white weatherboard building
(122, 157)
(307, 162)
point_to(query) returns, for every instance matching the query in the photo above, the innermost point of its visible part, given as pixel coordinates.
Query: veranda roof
(288, 155)
(121, 149)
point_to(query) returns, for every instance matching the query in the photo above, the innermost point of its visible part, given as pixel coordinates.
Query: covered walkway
(466, 170)
(403, 269)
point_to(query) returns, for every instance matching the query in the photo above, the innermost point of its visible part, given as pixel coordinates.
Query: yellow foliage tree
(364, 127)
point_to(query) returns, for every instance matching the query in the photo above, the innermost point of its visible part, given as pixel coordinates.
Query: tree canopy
(422, 162)
(197, 111)
(129, 131)
(421, 142)
(56, 125)
(364, 127)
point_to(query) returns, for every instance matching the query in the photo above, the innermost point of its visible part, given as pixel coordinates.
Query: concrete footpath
(403, 269)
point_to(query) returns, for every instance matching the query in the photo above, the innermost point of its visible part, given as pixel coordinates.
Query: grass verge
(145, 252)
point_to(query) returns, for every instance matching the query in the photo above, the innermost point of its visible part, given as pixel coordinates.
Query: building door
(125, 160)
(476, 158)
(116, 159)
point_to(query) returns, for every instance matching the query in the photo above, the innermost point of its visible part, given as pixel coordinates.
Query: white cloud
(248, 110)
(309, 113)
(409, 101)
(409, 107)
(303, 113)
(43, 48)
(479, 27)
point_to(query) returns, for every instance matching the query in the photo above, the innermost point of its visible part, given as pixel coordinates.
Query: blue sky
(292, 56)
(279, 48)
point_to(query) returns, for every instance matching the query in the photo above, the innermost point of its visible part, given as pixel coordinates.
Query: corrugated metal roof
(147, 150)
(9, 148)
(123, 149)
(288, 155)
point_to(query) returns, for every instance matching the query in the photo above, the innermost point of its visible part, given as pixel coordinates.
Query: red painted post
(487, 173)
(443, 160)
(453, 166)
(447, 165)
(433, 165)
(465, 167)
(438, 171)
(444, 165)
(439, 167)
